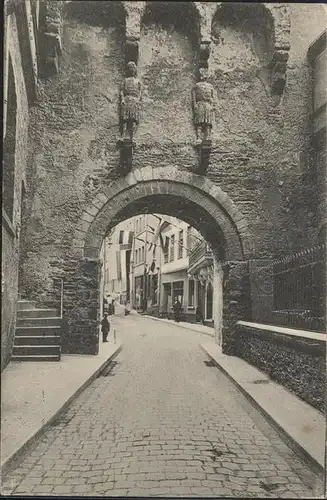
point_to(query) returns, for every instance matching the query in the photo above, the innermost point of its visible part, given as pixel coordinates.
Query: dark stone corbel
(126, 155)
(204, 151)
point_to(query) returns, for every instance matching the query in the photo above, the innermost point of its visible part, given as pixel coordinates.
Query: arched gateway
(172, 192)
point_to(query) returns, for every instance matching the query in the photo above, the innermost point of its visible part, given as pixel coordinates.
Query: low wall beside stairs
(294, 358)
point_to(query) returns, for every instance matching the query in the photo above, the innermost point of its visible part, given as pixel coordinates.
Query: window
(166, 250)
(188, 238)
(180, 244)
(137, 227)
(191, 293)
(154, 289)
(142, 259)
(172, 247)
(136, 256)
(121, 237)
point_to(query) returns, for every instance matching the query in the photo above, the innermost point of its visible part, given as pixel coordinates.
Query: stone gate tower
(196, 109)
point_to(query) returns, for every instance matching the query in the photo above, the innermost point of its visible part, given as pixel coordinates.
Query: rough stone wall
(11, 229)
(80, 328)
(236, 302)
(259, 149)
(297, 363)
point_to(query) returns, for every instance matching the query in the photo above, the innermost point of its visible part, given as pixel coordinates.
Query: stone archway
(172, 192)
(146, 182)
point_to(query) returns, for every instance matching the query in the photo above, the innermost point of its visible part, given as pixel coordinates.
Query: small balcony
(199, 257)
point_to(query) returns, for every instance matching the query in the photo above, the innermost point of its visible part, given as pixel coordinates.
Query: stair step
(37, 331)
(37, 313)
(36, 358)
(37, 340)
(40, 322)
(35, 350)
(23, 305)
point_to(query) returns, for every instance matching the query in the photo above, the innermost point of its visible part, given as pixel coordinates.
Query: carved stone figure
(203, 101)
(130, 97)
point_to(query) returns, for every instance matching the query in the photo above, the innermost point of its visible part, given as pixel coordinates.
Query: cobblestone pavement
(162, 422)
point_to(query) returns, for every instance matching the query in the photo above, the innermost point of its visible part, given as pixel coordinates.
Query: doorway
(209, 302)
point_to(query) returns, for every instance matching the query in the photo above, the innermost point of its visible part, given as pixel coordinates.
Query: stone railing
(293, 358)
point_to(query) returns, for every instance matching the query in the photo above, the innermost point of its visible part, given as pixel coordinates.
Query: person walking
(199, 315)
(177, 310)
(105, 327)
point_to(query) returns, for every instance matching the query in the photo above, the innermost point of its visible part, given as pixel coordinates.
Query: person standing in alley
(199, 315)
(105, 327)
(177, 310)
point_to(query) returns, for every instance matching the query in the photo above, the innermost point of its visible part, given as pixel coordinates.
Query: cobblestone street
(163, 421)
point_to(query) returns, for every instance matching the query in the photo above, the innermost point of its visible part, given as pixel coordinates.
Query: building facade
(116, 257)
(145, 263)
(20, 72)
(250, 190)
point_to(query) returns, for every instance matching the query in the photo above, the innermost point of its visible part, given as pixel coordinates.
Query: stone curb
(317, 467)
(18, 455)
(170, 322)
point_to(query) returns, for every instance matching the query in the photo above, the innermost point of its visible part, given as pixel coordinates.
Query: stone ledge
(286, 331)
(299, 424)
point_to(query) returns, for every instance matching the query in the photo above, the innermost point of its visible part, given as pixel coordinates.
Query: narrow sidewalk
(299, 424)
(33, 394)
(207, 330)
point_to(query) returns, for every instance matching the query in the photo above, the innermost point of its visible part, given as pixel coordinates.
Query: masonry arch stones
(163, 190)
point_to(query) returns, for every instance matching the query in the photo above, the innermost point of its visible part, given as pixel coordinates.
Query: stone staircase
(37, 335)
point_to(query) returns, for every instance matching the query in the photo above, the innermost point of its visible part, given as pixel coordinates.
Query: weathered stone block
(92, 210)
(296, 362)
(87, 217)
(83, 225)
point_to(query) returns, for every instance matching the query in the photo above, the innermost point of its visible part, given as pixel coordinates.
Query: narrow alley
(161, 421)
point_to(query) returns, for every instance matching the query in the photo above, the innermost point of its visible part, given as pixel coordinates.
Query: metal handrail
(61, 298)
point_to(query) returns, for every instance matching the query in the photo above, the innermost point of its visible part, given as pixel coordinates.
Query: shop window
(191, 291)
(180, 244)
